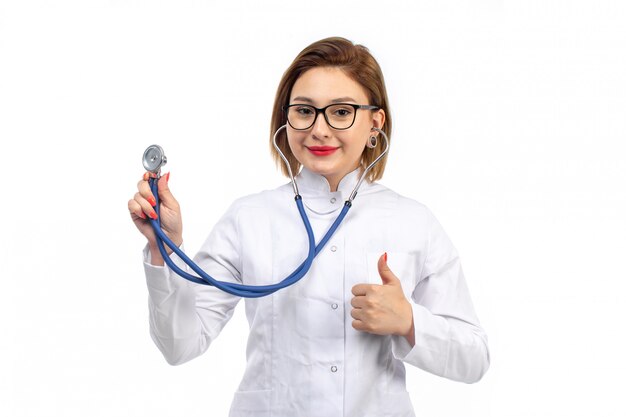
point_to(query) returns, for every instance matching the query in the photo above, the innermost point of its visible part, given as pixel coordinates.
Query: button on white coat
(333, 248)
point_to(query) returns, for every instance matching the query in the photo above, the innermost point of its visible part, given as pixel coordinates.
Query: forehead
(323, 84)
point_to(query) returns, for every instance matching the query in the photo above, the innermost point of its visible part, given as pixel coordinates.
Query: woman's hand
(141, 208)
(383, 309)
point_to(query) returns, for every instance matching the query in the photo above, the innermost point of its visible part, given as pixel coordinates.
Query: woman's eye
(342, 112)
(304, 111)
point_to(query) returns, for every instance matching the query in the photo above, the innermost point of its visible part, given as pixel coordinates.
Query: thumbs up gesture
(382, 309)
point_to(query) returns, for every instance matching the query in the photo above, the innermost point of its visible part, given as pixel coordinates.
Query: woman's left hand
(382, 309)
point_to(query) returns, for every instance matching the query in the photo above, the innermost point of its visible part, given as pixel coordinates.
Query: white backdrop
(508, 123)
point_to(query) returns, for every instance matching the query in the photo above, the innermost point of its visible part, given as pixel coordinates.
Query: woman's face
(320, 87)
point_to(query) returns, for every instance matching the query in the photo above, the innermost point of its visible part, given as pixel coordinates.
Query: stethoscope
(154, 158)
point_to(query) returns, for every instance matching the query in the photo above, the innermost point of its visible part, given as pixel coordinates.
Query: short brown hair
(358, 64)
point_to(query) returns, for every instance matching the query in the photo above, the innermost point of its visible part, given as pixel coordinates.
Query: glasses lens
(301, 116)
(340, 116)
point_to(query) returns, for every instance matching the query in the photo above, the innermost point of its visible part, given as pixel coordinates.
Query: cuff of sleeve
(159, 278)
(400, 347)
(428, 349)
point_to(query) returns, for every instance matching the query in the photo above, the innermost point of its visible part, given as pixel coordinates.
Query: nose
(320, 128)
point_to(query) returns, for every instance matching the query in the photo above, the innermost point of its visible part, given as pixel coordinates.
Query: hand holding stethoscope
(142, 206)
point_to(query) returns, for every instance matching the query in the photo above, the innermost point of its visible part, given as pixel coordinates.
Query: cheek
(295, 136)
(366, 127)
(295, 143)
(358, 141)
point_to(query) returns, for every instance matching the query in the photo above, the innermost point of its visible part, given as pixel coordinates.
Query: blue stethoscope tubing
(255, 291)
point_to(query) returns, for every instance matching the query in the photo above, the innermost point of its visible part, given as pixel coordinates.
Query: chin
(321, 168)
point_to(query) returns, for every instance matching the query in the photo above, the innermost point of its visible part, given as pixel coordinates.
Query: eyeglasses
(339, 116)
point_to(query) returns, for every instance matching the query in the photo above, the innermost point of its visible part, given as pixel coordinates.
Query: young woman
(386, 290)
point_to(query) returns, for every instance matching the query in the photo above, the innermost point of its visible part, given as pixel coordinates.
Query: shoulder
(263, 199)
(415, 216)
(403, 205)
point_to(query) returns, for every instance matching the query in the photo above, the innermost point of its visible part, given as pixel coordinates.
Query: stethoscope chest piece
(154, 158)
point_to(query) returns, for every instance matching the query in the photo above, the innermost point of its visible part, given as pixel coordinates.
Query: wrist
(155, 255)
(154, 249)
(408, 331)
(410, 336)
(177, 241)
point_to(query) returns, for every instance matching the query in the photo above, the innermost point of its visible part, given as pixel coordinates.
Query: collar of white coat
(315, 190)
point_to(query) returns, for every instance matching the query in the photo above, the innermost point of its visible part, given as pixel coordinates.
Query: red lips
(321, 150)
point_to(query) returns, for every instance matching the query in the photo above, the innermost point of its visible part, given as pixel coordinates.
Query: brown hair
(358, 64)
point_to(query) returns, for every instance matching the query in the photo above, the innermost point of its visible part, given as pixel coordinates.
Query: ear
(378, 119)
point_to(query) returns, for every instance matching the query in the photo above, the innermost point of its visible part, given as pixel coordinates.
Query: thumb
(386, 275)
(165, 195)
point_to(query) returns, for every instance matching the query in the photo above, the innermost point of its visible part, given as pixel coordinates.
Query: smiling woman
(339, 72)
(387, 290)
(332, 145)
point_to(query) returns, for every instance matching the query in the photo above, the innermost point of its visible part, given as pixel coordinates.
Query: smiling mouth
(321, 150)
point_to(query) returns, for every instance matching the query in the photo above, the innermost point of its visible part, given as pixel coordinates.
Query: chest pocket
(402, 264)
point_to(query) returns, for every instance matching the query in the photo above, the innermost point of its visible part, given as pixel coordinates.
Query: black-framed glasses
(339, 116)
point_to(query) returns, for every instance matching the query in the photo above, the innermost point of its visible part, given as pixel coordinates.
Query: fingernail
(152, 201)
(142, 215)
(385, 256)
(167, 177)
(153, 215)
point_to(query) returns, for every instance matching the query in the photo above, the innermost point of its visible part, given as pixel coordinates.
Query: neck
(334, 180)
(333, 183)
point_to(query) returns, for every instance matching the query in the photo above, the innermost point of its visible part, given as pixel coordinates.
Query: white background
(509, 123)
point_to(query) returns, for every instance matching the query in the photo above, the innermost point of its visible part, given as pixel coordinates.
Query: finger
(146, 207)
(357, 313)
(360, 289)
(147, 175)
(135, 210)
(358, 325)
(144, 190)
(386, 275)
(165, 194)
(358, 302)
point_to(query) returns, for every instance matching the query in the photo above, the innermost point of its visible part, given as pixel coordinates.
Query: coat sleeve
(186, 317)
(449, 340)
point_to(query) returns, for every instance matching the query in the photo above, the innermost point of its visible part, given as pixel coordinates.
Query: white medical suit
(304, 358)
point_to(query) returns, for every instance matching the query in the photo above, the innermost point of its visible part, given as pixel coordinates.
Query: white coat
(304, 358)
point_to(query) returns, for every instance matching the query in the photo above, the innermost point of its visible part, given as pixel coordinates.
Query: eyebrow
(336, 100)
